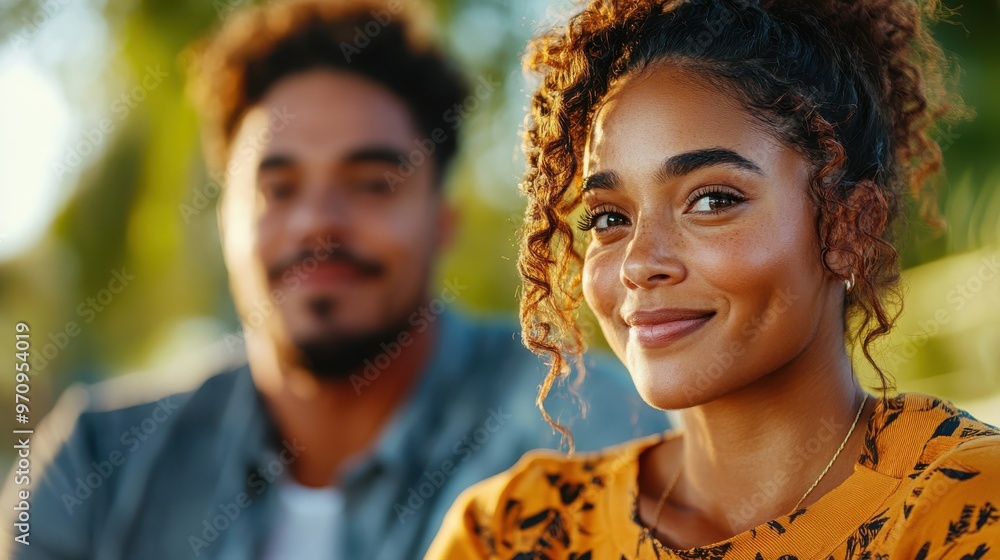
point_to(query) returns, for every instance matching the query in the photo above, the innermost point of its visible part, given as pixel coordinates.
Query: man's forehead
(327, 100)
(321, 129)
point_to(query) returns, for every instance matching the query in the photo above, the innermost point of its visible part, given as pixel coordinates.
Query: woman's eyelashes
(710, 201)
(601, 218)
(713, 200)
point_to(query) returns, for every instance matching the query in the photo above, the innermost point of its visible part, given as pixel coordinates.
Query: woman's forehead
(665, 111)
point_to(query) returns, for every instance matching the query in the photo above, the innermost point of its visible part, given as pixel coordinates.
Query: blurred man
(367, 403)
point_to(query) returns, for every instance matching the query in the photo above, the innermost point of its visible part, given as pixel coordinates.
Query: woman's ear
(854, 228)
(838, 250)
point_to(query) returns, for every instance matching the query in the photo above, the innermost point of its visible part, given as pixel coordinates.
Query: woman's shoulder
(953, 504)
(952, 497)
(911, 431)
(540, 493)
(972, 451)
(971, 458)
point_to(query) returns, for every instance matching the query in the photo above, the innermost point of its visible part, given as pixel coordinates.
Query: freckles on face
(703, 266)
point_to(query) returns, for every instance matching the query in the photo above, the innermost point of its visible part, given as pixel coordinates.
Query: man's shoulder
(102, 414)
(490, 332)
(135, 393)
(146, 387)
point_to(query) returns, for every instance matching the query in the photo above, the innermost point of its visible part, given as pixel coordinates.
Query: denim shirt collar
(245, 411)
(396, 446)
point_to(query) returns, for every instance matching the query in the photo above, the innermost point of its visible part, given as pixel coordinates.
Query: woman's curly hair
(855, 86)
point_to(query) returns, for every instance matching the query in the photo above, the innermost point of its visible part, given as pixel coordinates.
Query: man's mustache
(364, 266)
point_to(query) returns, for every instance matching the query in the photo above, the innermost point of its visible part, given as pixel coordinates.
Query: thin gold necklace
(835, 455)
(663, 498)
(666, 492)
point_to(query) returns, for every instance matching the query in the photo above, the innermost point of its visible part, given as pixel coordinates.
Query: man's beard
(335, 356)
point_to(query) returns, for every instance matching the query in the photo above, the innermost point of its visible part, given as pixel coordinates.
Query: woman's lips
(660, 328)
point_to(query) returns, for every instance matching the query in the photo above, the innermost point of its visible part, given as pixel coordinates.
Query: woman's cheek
(745, 258)
(602, 288)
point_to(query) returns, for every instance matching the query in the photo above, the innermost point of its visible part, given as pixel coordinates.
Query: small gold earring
(849, 283)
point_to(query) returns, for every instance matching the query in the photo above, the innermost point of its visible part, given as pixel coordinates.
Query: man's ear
(220, 215)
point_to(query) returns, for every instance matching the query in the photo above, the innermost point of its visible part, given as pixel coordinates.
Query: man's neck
(334, 420)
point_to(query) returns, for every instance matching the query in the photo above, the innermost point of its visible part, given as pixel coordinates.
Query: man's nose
(322, 213)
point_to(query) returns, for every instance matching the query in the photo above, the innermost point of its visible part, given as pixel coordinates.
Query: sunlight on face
(704, 264)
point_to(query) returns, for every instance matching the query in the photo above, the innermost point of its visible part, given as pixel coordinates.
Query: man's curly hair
(855, 86)
(382, 40)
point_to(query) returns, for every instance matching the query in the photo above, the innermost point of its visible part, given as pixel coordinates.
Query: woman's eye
(609, 220)
(600, 220)
(715, 202)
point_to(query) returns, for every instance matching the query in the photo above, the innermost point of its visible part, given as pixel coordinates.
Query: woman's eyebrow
(608, 180)
(677, 166)
(689, 162)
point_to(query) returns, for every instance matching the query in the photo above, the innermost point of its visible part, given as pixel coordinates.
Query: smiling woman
(740, 166)
(704, 231)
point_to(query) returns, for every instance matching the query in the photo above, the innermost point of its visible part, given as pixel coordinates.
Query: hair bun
(889, 44)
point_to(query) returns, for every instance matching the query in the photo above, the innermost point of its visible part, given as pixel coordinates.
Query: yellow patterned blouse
(926, 486)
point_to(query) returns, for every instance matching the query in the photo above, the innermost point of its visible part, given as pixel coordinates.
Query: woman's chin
(671, 388)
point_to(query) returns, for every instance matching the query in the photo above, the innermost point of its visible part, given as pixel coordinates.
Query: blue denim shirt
(191, 475)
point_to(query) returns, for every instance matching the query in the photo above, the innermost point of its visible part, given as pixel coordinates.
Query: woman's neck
(767, 443)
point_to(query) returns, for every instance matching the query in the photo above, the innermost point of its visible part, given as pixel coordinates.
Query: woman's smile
(661, 327)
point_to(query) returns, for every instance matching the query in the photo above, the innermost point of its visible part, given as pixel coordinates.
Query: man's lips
(323, 267)
(330, 273)
(659, 327)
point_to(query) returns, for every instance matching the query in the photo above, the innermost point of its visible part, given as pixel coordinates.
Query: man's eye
(377, 186)
(280, 191)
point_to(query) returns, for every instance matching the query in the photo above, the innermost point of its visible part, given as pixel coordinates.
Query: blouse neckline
(835, 515)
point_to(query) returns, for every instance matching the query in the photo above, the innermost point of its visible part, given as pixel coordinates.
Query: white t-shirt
(308, 523)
